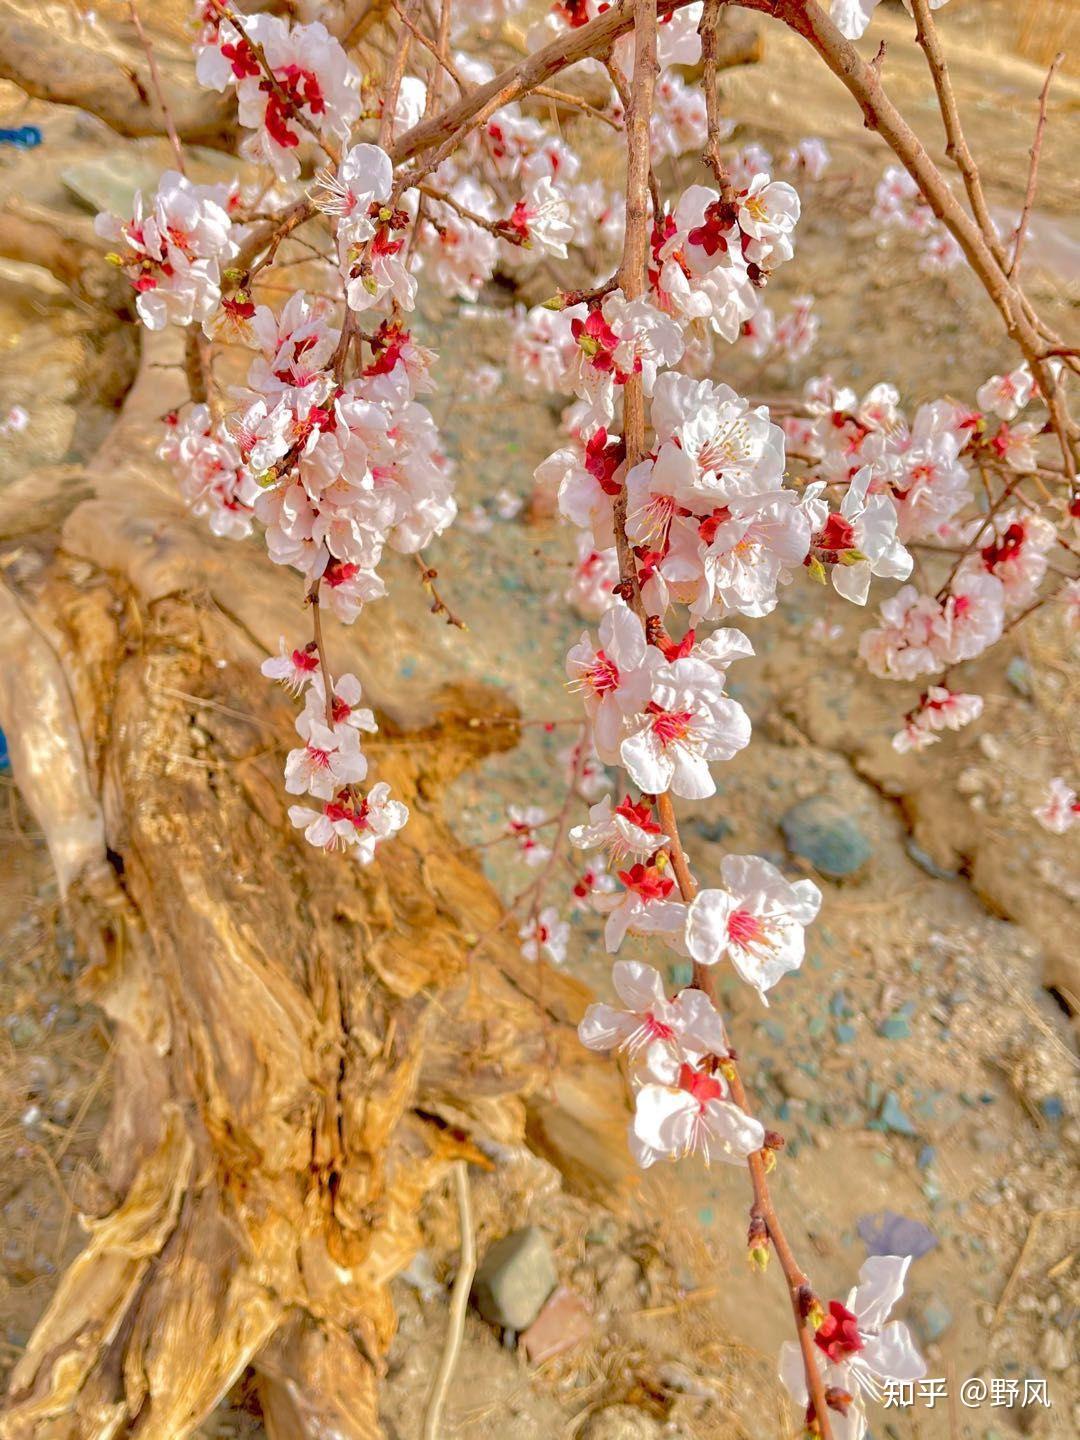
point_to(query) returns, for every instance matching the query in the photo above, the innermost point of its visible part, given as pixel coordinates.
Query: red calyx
(838, 1334)
(647, 881)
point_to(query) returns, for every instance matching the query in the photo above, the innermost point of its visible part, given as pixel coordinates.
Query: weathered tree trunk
(302, 1045)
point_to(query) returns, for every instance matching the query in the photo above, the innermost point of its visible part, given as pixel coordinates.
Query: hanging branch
(632, 282)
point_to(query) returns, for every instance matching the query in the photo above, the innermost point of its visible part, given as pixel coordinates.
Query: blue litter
(26, 137)
(5, 758)
(887, 1233)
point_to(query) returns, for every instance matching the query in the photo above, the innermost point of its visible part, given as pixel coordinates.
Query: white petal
(892, 1355)
(698, 1023)
(707, 925)
(881, 1284)
(852, 581)
(638, 986)
(602, 1027)
(647, 764)
(732, 1130)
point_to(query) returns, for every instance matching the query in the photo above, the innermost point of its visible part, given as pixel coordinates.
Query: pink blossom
(687, 724)
(939, 709)
(688, 1026)
(682, 1110)
(328, 760)
(349, 822)
(863, 1352)
(317, 87)
(757, 921)
(292, 668)
(1006, 395)
(545, 934)
(626, 831)
(1060, 810)
(173, 252)
(615, 679)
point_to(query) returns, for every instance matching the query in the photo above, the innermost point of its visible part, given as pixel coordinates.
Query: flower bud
(757, 1243)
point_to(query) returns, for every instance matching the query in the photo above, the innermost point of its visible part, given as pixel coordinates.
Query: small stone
(1018, 674)
(514, 1279)
(621, 1422)
(926, 861)
(23, 1031)
(563, 1322)
(822, 831)
(887, 1233)
(895, 1027)
(932, 1318)
(1055, 1352)
(895, 1118)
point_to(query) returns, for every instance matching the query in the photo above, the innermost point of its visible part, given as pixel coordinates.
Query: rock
(822, 831)
(932, 1318)
(514, 1279)
(893, 1117)
(110, 183)
(1055, 1352)
(1018, 674)
(895, 1027)
(926, 861)
(621, 1422)
(563, 1322)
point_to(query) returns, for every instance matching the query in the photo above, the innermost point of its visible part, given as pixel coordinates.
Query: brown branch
(632, 282)
(431, 46)
(320, 649)
(501, 229)
(575, 102)
(956, 147)
(1033, 169)
(710, 18)
(518, 80)
(808, 19)
(632, 270)
(159, 89)
(397, 72)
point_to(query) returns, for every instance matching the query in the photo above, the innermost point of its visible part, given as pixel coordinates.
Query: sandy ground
(940, 982)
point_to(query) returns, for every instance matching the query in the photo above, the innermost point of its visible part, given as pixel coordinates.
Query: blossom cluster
(708, 526)
(899, 205)
(915, 480)
(329, 450)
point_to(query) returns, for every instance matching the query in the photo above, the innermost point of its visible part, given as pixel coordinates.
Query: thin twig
(397, 72)
(1033, 169)
(956, 147)
(459, 1305)
(428, 576)
(710, 17)
(159, 89)
(320, 649)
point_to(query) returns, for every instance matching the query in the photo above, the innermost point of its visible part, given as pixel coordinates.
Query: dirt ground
(924, 1061)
